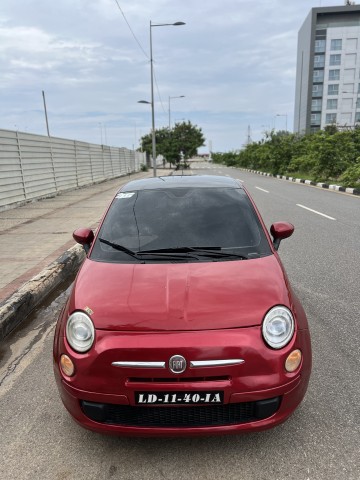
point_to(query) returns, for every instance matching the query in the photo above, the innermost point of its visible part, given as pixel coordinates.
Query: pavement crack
(43, 332)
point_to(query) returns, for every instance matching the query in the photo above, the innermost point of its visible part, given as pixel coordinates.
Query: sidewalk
(37, 249)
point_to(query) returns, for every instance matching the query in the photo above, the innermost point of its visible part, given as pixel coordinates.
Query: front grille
(188, 416)
(178, 379)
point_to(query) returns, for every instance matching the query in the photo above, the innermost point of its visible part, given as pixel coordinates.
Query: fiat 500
(181, 320)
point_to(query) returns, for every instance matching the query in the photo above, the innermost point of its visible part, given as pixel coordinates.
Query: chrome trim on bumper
(215, 363)
(193, 363)
(139, 364)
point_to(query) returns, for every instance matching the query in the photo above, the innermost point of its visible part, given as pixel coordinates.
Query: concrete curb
(16, 308)
(338, 188)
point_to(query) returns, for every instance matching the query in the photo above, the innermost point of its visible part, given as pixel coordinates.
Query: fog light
(67, 365)
(293, 361)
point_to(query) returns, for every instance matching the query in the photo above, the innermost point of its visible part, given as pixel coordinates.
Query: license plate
(179, 398)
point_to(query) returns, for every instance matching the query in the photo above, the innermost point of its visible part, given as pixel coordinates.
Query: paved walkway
(36, 234)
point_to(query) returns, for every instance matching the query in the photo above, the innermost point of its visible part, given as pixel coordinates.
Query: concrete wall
(304, 76)
(36, 166)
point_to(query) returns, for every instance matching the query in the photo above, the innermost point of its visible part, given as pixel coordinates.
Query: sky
(234, 63)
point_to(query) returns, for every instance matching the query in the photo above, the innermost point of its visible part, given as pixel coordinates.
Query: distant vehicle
(181, 320)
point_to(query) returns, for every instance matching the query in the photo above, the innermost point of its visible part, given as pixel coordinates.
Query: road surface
(320, 441)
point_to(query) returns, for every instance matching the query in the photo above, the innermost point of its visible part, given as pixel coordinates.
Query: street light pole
(46, 116)
(283, 115)
(152, 88)
(181, 96)
(152, 106)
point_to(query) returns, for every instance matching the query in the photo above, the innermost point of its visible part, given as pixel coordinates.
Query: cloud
(235, 62)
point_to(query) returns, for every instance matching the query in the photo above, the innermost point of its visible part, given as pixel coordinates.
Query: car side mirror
(84, 236)
(280, 231)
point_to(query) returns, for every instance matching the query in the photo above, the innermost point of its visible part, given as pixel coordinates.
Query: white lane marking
(242, 181)
(315, 211)
(266, 191)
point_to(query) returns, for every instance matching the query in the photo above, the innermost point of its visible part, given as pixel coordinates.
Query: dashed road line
(266, 191)
(315, 211)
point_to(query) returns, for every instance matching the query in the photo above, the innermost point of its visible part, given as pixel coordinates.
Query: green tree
(334, 153)
(327, 155)
(184, 137)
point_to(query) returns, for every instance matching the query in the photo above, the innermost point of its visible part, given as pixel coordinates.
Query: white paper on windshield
(125, 195)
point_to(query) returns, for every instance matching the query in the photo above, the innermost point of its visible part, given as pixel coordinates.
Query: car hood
(179, 296)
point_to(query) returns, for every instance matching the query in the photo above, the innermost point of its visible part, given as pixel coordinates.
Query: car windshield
(180, 224)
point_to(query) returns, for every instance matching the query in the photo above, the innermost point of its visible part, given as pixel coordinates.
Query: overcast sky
(234, 61)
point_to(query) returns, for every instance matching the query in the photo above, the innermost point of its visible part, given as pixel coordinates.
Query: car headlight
(278, 327)
(80, 332)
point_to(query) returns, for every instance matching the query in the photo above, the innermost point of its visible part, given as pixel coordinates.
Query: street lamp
(101, 132)
(46, 116)
(283, 115)
(170, 98)
(176, 24)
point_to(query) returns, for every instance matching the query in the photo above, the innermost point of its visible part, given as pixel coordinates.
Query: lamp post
(176, 24)
(101, 132)
(170, 98)
(283, 115)
(152, 130)
(46, 116)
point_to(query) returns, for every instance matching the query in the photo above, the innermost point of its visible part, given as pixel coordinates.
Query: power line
(142, 49)
(158, 91)
(131, 30)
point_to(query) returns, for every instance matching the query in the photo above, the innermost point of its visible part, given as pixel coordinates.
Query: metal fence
(36, 166)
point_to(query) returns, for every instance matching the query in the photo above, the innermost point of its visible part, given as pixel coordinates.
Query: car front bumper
(257, 394)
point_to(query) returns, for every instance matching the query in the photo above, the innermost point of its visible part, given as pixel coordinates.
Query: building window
(319, 61)
(334, 74)
(357, 117)
(357, 103)
(335, 59)
(315, 119)
(320, 46)
(333, 89)
(359, 88)
(332, 104)
(330, 118)
(318, 76)
(336, 44)
(314, 129)
(317, 90)
(316, 105)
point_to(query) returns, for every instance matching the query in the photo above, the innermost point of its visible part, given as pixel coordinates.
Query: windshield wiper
(120, 248)
(214, 252)
(174, 253)
(151, 253)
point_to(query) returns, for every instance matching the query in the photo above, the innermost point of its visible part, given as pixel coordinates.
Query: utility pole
(46, 117)
(248, 139)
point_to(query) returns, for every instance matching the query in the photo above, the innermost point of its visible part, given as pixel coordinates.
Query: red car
(181, 320)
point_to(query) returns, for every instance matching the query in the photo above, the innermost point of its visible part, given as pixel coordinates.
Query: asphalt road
(320, 441)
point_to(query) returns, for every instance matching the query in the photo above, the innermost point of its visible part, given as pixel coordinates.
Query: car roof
(182, 181)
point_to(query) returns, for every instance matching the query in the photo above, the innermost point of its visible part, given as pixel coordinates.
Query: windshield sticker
(125, 195)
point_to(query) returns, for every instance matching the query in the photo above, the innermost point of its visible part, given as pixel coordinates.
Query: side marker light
(293, 361)
(67, 365)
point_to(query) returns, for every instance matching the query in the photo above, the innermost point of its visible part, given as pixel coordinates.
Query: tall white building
(328, 69)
